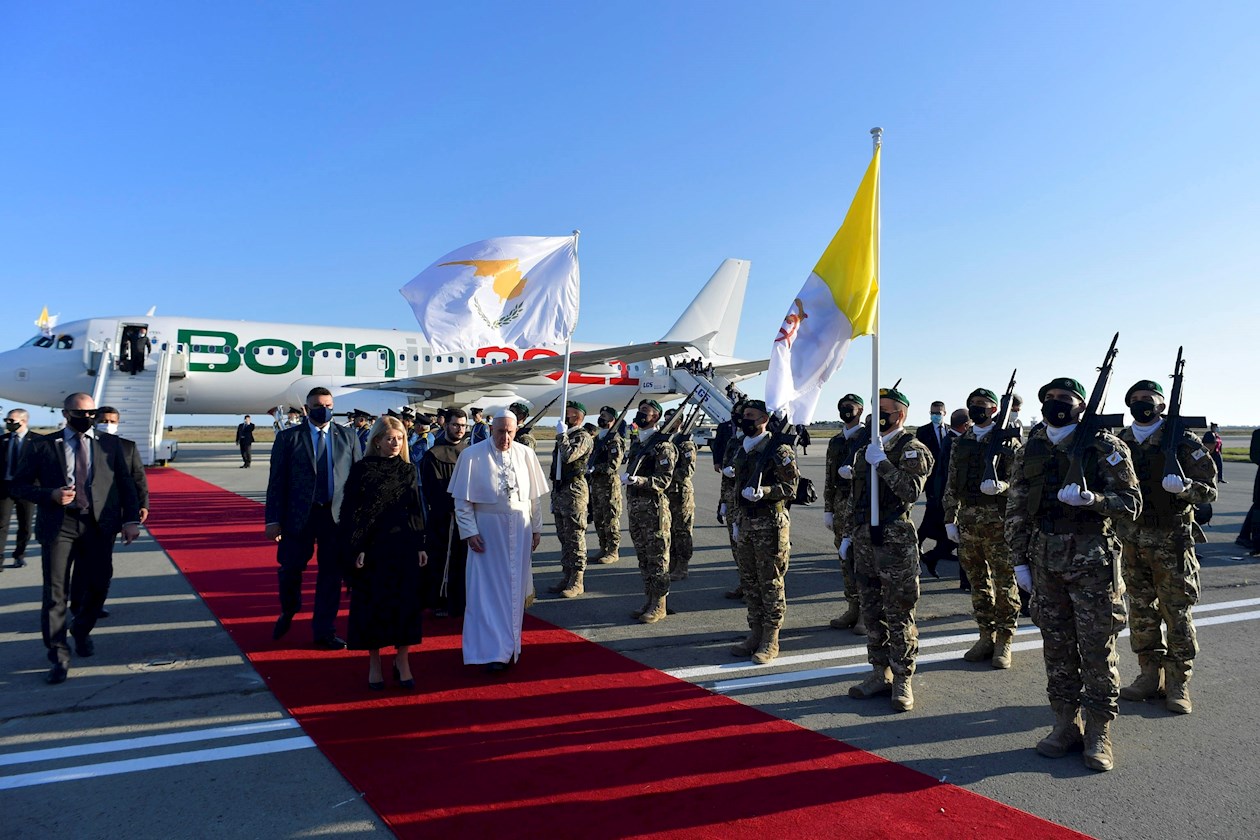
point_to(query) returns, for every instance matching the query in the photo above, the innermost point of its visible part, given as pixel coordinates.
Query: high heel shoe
(407, 683)
(376, 686)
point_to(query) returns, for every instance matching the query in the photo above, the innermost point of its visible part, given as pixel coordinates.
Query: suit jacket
(926, 434)
(113, 490)
(245, 433)
(132, 456)
(31, 437)
(291, 482)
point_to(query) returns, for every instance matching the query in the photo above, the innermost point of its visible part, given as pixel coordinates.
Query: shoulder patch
(1115, 458)
(910, 454)
(1198, 454)
(664, 462)
(787, 459)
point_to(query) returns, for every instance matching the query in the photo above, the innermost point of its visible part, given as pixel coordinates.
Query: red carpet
(577, 741)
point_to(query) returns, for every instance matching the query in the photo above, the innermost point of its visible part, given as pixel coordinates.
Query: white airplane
(212, 366)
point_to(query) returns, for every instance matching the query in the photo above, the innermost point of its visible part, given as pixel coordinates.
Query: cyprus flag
(514, 291)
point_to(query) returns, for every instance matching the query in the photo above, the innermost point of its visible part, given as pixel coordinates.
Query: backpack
(805, 493)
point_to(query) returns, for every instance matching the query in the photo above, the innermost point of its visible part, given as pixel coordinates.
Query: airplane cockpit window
(65, 342)
(40, 341)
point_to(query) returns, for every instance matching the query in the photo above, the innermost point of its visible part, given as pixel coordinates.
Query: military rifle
(781, 432)
(1092, 421)
(1000, 433)
(619, 425)
(1175, 425)
(667, 430)
(538, 415)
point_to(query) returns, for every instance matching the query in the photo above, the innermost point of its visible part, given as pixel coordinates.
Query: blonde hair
(383, 426)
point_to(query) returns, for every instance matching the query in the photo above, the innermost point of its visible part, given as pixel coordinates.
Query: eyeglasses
(81, 412)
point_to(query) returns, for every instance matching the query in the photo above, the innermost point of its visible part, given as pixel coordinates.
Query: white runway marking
(147, 742)
(812, 674)
(132, 765)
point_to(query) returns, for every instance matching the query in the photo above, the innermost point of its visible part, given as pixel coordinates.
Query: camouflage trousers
(568, 505)
(649, 531)
(762, 548)
(986, 558)
(888, 588)
(1163, 585)
(846, 566)
(682, 517)
(606, 511)
(1080, 614)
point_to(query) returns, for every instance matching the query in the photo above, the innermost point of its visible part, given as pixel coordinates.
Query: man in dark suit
(442, 580)
(107, 419)
(85, 496)
(13, 444)
(309, 466)
(935, 437)
(245, 440)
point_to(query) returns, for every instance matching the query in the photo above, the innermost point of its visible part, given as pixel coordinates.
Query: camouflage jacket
(776, 475)
(1162, 512)
(840, 451)
(966, 472)
(653, 460)
(607, 453)
(572, 450)
(902, 477)
(685, 466)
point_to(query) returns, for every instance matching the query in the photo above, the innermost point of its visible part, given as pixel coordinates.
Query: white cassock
(497, 496)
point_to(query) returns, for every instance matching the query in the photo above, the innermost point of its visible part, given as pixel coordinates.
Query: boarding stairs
(141, 402)
(710, 392)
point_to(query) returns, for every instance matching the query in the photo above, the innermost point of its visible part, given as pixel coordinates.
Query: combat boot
(1066, 735)
(902, 694)
(654, 612)
(982, 649)
(679, 573)
(749, 645)
(848, 618)
(575, 587)
(1098, 741)
(607, 559)
(879, 681)
(769, 647)
(859, 629)
(641, 610)
(1178, 691)
(560, 585)
(1149, 682)
(1002, 650)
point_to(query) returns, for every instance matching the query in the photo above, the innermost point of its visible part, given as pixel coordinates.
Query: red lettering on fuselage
(509, 354)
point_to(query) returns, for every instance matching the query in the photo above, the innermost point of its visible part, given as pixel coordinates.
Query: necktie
(323, 480)
(81, 473)
(10, 465)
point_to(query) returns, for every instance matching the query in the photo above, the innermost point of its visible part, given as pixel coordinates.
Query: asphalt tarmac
(164, 667)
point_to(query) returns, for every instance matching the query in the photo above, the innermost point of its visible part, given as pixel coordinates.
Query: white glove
(846, 545)
(752, 494)
(990, 487)
(845, 472)
(951, 531)
(1175, 484)
(1023, 578)
(735, 530)
(875, 453)
(729, 472)
(1074, 496)
(722, 510)
(829, 519)
(625, 478)
(561, 428)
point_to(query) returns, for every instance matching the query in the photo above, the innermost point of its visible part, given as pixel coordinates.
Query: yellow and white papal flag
(515, 291)
(839, 302)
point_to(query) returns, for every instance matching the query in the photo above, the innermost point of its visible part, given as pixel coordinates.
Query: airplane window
(415, 358)
(271, 351)
(240, 351)
(483, 361)
(325, 354)
(257, 351)
(450, 360)
(338, 354)
(65, 342)
(461, 360)
(427, 359)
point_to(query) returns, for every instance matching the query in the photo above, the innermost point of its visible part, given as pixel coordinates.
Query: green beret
(608, 409)
(853, 398)
(760, 405)
(653, 404)
(1063, 383)
(575, 404)
(894, 395)
(983, 392)
(519, 408)
(1144, 385)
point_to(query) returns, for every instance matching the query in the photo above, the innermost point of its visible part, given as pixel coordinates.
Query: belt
(1067, 526)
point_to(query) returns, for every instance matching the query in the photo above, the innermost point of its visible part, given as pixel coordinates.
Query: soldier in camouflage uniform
(886, 558)
(837, 491)
(1067, 556)
(765, 478)
(523, 435)
(570, 498)
(1160, 566)
(649, 471)
(728, 494)
(608, 452)
(682, 505)
(975, 518)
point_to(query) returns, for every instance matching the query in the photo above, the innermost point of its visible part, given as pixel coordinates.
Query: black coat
(115, 500)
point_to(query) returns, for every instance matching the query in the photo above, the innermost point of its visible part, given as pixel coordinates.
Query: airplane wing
(496, 376)
(742, 370)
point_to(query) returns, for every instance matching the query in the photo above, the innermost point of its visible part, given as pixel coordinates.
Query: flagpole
(568, 352)
(877, 138)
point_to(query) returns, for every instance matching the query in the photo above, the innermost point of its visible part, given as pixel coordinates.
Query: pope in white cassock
(496, 486)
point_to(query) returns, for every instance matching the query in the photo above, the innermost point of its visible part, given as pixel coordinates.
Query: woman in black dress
(383, 524)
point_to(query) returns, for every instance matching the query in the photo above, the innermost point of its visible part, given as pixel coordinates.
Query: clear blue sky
(1052, 173)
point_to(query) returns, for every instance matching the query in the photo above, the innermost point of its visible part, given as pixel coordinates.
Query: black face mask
(1057, 413)
(641, 419)
(80, 424)
(749, 426)
(319, 415)
(12, 425)
(978, 413)
(885, 421)
(1143, 411)
(604, 423)
(849, 413)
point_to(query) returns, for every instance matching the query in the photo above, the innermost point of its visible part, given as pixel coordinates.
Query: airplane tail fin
(711, 322)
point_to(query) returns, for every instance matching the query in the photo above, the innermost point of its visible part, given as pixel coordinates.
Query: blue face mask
(937, 419)
(319, 415)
